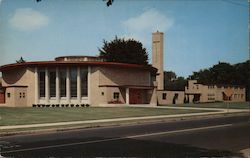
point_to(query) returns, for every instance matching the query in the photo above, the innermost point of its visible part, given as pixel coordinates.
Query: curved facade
(78, 80)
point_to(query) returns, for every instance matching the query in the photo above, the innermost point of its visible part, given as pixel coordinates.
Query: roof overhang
(77, 63)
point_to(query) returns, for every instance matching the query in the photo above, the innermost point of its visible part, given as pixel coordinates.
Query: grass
(238, 105)
(20, 116)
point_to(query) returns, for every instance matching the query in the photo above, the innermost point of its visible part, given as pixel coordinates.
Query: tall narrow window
(164, 96)
(84, 81)
(52, 83)
(73, 82)
(62, 76)
(42, 83)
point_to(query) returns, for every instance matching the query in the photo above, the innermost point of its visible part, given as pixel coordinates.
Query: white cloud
(140, 27)
(26, 19)
(151, 20)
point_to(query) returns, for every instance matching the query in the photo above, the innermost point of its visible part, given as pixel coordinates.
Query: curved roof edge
(64, 63)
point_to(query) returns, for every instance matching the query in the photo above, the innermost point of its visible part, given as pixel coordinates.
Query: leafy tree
(174, 83)
(124, 51)
(169, 75)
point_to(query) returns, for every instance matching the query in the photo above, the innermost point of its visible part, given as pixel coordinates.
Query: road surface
(210, 137)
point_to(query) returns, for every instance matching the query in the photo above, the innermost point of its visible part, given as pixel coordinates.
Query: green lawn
(240, 105)
(18, 116)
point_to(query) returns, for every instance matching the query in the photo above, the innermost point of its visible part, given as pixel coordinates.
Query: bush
(115, 102)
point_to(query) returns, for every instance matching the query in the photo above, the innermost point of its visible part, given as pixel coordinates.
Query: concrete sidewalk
(193, 108)
(213, 112)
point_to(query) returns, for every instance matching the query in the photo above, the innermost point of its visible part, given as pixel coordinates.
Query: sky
(197, 33)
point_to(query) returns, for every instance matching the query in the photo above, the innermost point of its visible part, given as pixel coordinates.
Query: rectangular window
(242, 95)
(116, 95)
(73, 82)
(62, 80)
(8, 95)
(84, 81)
(23, 95)
(52, 83)
(20, 95)
(42, 83)
(164, 96)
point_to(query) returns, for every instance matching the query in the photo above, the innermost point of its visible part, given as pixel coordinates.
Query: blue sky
(198, 34)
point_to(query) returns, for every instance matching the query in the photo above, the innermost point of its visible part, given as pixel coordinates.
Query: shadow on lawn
(123, 148)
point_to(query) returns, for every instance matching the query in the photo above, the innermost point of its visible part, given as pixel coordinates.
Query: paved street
(208, 137)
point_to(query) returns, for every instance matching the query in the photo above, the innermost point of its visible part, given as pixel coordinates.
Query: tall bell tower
(158, 57)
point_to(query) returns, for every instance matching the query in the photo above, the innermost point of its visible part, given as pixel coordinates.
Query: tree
(124, 51)
(169, 75)
(174, 83)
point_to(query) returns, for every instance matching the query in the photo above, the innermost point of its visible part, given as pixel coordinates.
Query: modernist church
(86, 80)
(79, 80)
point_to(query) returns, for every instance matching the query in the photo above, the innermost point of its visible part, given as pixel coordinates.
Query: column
(57, 86)
(36, 87)
(78, 85)
(46, 85)
(89, 84)
(67, 85)
(127, 95)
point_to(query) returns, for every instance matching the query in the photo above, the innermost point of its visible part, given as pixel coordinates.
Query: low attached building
(170, 97)
(78, 80)
(195, 92)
